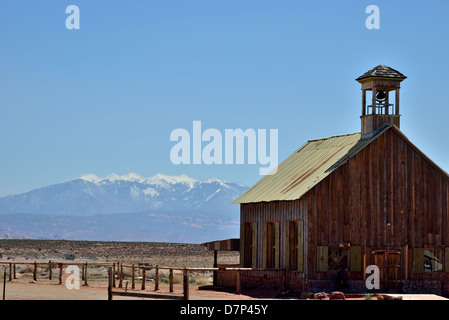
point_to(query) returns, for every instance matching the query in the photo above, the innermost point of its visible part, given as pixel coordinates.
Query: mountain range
(125, 208)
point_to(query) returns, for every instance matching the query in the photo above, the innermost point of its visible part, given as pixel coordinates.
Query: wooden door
(379, 260)
(389, 263)
(393, 272)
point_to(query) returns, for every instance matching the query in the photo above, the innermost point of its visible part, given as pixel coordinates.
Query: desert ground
(176, 255)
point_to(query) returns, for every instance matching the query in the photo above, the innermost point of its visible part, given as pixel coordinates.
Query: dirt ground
(24, 289)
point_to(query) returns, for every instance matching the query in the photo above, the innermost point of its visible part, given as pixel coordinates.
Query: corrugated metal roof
(305, 168)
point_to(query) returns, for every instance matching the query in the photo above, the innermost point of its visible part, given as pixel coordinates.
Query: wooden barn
(342, 203)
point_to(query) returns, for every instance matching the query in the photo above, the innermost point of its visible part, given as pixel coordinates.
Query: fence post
(186, 284)
(114, 272)
(120, 284)
(4, 282)
(170, 280)
(10, 271)
(49, 270)
(215, 273)
(85, 276)
(35, 271)
(238, 286)
(133, 281)
(156, 282)
(60, 273)
(14, 268)
(110, 282)
(143, 277)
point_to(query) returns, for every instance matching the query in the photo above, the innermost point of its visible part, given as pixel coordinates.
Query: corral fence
(50, 265)
(116, 273)
(185, 276)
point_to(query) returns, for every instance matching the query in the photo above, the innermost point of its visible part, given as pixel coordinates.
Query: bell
(380, 96)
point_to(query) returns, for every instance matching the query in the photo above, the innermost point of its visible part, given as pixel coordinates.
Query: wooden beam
(147, 295)
(133, 277)
(397, 101)
(185, 284)
(50, 275)
(110, 276)
(85, 275)
(156, 280)
(60, 273)
(238, 284)
(35, 272)
(143, 278)
(170, 280)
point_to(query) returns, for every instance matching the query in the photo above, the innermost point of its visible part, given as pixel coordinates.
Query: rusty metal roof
(223, 245)
(305, 168)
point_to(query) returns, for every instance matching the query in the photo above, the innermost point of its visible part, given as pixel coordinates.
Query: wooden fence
(184, 270)
(111, 292)
(116, 272)
(54, 264)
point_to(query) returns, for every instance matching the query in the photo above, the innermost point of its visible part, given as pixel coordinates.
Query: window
(433, 260)
(295, 244)
(273, 245)
(270, 239)
(338, 258)
(250, 245)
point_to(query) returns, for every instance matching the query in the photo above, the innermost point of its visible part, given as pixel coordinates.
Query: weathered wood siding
(388, 195)
(282, 212)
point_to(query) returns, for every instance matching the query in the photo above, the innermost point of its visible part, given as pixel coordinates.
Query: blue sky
(106, 97)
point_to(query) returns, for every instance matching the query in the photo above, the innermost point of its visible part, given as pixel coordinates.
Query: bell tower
(378, 107)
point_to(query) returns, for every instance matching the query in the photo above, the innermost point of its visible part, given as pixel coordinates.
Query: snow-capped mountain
(89, 195)
(160, 199)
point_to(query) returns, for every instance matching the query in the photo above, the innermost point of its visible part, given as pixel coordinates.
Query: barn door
(393, 269)
(379, 260)
(389, 263)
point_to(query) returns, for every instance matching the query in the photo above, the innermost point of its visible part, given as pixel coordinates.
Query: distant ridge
(180, 208)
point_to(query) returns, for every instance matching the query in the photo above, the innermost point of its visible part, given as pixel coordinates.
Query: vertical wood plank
(242, 234)
(446, 259)
(264, 244)
(287, 245)
(300, 262)
(444, 224)
(254, 245)
(276, 245)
